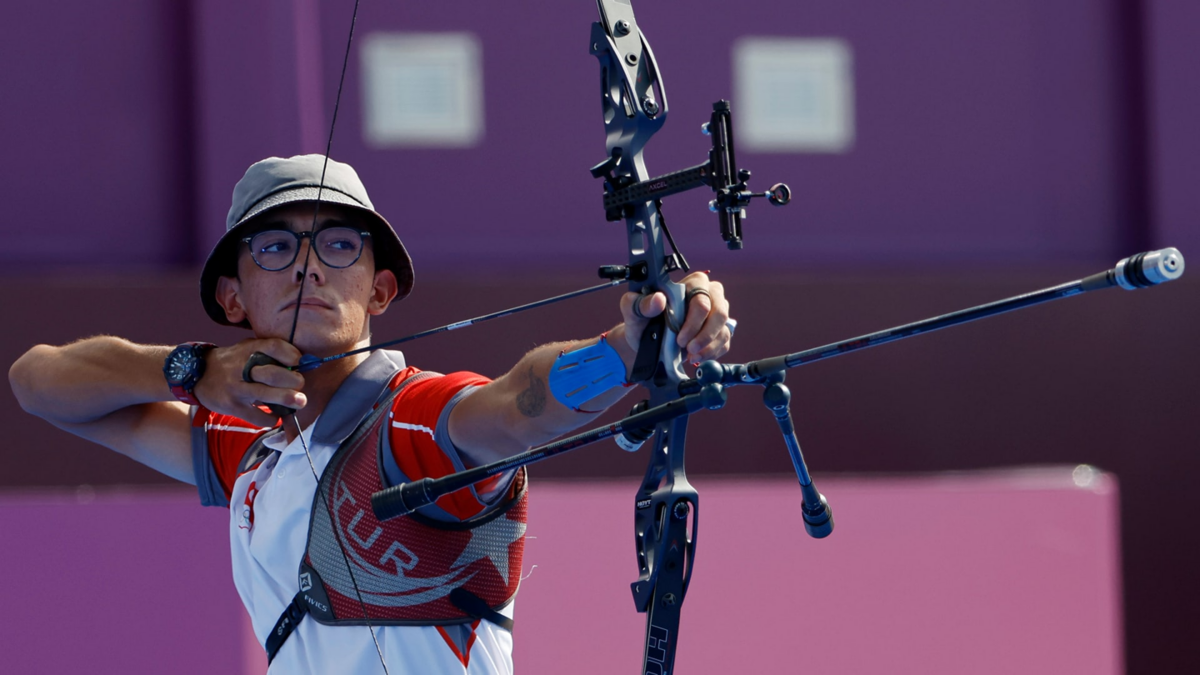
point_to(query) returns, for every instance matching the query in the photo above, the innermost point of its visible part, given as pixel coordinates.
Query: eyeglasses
(337, 247)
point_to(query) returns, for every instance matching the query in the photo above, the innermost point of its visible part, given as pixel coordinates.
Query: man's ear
(229, 297)
(383, 290)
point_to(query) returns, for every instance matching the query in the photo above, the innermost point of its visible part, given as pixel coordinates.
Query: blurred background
(941, 155)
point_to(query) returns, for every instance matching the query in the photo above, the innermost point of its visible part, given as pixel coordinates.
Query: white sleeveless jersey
(269, 519)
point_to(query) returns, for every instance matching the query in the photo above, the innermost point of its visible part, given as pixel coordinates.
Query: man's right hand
(222, 389)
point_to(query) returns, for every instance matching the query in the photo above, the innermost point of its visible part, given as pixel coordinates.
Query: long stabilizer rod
(1137, 271)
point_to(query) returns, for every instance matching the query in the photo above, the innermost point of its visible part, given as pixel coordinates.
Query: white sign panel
(422, 89)
(793, 94)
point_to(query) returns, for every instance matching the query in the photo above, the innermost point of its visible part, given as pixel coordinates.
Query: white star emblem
(496, 535)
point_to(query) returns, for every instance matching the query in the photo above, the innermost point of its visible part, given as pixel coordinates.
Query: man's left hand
(705, 333)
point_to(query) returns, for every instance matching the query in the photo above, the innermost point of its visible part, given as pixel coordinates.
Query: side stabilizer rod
(403, 499)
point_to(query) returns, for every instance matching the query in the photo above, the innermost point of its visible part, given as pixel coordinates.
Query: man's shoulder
(223, 442)
(416, 386)
(217, 422)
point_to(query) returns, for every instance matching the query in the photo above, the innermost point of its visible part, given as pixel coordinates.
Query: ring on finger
(687, 299)
(637, 309)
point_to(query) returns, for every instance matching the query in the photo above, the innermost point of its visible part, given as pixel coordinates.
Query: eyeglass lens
(276, 249)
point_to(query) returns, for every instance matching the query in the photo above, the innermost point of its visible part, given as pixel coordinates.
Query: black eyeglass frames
(337, 247)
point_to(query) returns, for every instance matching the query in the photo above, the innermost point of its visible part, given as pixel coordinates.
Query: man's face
(336, 302)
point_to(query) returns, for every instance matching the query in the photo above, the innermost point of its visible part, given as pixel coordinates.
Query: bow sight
(621, 195)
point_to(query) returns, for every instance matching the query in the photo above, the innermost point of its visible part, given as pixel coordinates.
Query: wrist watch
(183, 369)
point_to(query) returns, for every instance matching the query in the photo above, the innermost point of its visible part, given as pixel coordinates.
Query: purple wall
(97, 134)
(1174, 87)
(985, 131)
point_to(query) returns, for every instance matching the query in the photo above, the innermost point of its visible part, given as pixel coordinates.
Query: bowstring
(322, 494)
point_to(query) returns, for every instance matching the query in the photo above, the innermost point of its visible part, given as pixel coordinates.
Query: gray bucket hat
(276, 181)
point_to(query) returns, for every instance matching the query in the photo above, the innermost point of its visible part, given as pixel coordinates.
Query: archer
(304, 264)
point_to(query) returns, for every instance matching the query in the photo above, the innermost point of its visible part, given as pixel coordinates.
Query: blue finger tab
(582, 374)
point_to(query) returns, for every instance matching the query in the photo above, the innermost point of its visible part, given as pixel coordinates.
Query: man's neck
(319, 387)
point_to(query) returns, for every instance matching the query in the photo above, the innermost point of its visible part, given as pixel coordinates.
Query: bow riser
(666, 506)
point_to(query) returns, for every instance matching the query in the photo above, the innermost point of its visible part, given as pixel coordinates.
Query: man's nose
(305, 255)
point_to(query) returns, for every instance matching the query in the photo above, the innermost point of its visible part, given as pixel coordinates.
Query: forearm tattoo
(532, 401)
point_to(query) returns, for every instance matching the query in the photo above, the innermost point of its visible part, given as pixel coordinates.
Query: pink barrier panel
(1007, 572)
(123, 582)
(1013, 571)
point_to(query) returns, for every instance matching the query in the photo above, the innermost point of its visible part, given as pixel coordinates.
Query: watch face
(181, 366)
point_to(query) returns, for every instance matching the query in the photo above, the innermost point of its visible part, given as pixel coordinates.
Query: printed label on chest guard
(324, 609)
(400, 575)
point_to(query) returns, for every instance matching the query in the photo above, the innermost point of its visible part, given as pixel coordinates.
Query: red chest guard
(412, 570)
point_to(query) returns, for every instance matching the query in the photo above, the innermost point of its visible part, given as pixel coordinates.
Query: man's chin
(322, 344)
(312, 340)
